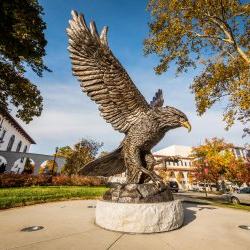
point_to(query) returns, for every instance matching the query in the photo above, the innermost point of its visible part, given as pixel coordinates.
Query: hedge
(27, 180)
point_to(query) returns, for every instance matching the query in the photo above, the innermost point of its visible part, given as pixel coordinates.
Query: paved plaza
(70, 225)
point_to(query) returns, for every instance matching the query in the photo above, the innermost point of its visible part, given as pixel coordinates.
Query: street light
(54, 160)
(206, 172)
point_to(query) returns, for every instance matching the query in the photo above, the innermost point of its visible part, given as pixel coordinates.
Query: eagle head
(171, 118)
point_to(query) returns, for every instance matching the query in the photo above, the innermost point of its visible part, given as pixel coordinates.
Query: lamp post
(206, 172)
(54, 160)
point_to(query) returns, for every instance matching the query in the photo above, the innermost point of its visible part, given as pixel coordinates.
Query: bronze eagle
(121, 104)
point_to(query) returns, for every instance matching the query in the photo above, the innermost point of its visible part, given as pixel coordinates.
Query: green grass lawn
(14, 197)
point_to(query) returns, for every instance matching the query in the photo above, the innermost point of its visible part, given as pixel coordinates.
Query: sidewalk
(70, 225)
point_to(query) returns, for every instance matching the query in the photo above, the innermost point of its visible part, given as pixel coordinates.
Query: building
(241, 152)
(13, 138)
(176, 161)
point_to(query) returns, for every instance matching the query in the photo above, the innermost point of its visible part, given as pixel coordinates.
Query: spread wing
(102, 77)
(158, 99)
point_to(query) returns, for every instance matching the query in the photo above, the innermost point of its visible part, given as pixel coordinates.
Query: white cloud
(69, 115)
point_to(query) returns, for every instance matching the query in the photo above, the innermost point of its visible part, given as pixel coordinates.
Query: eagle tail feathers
(107, 165)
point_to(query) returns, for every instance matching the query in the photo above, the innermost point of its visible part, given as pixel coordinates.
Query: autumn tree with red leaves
(214, 160)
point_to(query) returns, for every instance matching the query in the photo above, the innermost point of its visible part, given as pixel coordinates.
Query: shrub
(23, 180)
(61, 180)
(26, 180)
(78, 180)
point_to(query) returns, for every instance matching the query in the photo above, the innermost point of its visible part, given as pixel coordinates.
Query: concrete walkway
(70, 225)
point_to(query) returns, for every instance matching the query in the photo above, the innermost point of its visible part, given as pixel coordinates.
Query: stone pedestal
(139, 217)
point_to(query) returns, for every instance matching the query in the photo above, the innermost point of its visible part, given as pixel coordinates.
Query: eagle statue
(121, 104)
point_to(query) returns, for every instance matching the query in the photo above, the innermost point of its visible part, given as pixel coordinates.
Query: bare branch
(225, 28)
(211, 36)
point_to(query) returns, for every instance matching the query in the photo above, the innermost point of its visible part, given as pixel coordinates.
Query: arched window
(11, 142)
(19, 145)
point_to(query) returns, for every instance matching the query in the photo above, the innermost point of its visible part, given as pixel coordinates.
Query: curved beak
(187, 125)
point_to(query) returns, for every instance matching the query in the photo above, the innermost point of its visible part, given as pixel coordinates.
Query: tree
(28, 167)
(22, 43)
(65, 151)
(165, 175)
(211, 33)
(49, 168)
(82, 153)
(238, 172)
(2, 168)
(214, 160)
(191, 178)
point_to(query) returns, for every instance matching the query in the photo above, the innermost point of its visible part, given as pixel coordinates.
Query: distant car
(240, 196)
(174, 187)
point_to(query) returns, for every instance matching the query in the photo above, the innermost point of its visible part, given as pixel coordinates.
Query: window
(247, 153)
(237, 152)
(2, 136)
(11, 142)
(19, 145)
(185, 163)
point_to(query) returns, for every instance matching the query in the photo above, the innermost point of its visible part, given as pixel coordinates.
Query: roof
(17, 126)
(174, 150)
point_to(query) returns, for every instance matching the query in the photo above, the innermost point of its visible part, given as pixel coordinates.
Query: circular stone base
(139, 218)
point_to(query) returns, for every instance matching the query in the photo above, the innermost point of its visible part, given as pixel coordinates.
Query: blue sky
(68, 113)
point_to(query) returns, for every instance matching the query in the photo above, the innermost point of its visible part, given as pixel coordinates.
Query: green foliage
(214, 34)
(64, 152)
(79, 155)
(22, 43)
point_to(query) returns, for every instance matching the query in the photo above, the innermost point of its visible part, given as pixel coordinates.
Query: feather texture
(107, 165)
(158, 99)
(102, 76)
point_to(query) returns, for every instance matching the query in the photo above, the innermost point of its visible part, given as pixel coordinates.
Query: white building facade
(176, 161)
(13, 138)
(181, 169)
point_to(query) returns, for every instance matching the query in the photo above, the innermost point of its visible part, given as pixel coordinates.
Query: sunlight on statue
(122, 105)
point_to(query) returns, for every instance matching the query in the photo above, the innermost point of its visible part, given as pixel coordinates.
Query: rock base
(139, 218)
(138, 193)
